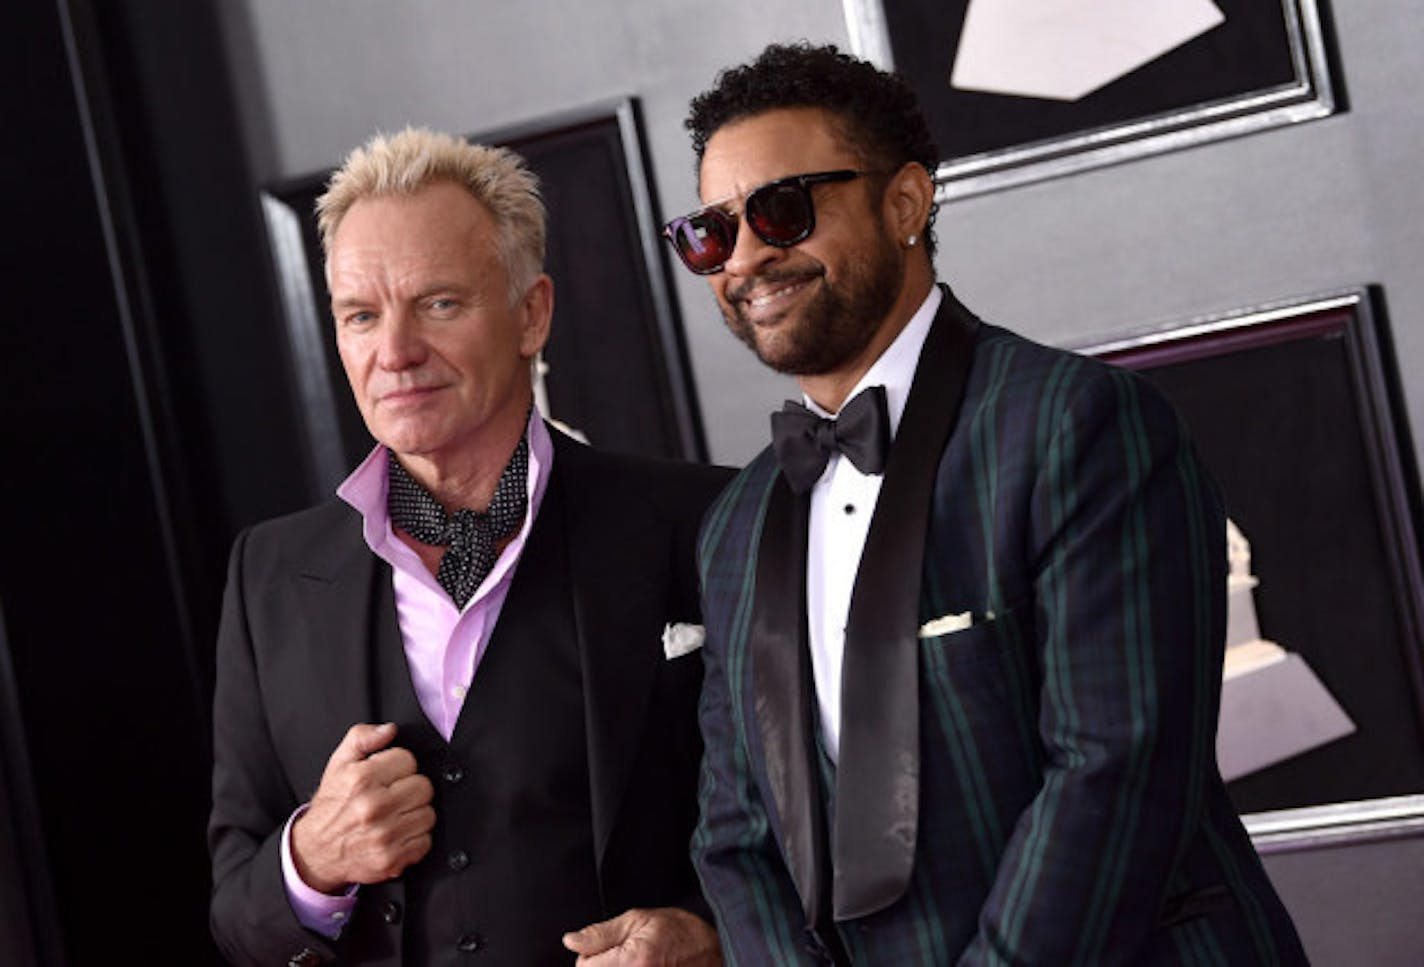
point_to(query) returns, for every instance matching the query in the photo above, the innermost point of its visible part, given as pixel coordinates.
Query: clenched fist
(370, 818)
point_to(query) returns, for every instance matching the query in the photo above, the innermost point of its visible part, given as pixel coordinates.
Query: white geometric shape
(682, 639)
(1273, 712)
(946, 624)
(1241, 623)
(1066, 49)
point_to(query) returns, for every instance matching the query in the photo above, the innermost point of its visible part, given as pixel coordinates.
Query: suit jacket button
(458, 860)
(469, 943)
(306, 957)
(452, 773)
(391, 912)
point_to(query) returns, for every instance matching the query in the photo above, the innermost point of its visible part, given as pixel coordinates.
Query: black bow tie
(804, 441)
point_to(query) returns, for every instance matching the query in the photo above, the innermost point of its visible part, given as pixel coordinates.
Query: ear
(908, 199)
(536, 309)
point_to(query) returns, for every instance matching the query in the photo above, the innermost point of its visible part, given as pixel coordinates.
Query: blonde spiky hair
(402, 164)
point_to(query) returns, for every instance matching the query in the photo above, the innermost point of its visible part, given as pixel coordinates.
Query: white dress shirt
(842, 502)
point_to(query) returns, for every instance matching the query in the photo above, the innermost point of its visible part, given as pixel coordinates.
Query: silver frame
(1310, 96)
(1351, 298)
(1336, 824)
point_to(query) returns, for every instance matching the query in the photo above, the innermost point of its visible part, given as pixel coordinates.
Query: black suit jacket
(293, 674)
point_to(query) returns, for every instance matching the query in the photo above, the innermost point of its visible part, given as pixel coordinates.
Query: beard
(835, 326)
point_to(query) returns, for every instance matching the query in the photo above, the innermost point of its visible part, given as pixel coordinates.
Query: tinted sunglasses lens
(704, 240)
(780, 214)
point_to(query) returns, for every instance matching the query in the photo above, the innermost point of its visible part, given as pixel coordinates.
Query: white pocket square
(680, 639)
(945, 624)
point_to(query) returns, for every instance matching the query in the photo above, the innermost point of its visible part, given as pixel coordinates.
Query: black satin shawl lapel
(782, 691)
(878, 776)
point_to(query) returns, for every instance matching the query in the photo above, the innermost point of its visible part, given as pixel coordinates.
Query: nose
(400, 343)
(750, 255)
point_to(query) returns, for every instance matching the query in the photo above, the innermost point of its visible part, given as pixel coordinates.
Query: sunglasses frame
(734, 219)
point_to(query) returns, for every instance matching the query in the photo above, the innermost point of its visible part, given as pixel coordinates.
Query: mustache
(743, 290)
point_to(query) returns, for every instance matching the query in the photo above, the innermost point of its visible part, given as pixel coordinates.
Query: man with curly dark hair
(965, 616)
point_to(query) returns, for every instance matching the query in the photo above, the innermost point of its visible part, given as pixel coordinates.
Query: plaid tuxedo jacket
(1069, 806)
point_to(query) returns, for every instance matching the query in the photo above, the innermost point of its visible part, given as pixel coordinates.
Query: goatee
(836, 324)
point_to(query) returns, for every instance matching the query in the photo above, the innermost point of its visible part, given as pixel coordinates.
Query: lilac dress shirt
(443, 644)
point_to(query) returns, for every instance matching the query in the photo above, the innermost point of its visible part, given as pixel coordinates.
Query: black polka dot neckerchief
(470, 536)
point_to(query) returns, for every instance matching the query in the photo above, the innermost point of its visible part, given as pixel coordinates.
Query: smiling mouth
(761, 304)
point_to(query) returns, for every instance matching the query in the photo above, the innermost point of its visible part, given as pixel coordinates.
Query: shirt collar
(365, 489)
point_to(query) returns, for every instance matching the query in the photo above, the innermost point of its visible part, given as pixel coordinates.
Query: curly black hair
(879, 116)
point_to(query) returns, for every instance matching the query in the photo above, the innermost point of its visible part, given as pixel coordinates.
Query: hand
(665, 937)
(370, 818)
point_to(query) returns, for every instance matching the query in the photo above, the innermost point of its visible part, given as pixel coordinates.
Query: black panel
(1297, 420)
(606, 369)
(139, 434)
(1248, 52)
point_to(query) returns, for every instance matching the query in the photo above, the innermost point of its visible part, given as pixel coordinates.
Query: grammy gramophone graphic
(1273, 706)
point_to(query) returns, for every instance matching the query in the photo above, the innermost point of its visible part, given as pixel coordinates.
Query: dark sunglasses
(780, 213)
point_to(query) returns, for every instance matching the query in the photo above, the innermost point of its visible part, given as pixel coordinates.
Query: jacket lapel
(341, 586)
(617, 614)
(877, 780)
(781, 692)
(352, 639)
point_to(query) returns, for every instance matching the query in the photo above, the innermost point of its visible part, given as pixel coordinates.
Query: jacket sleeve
(250, 917)
(1129, 577)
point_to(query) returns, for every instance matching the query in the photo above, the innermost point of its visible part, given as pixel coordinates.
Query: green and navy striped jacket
(1070, 808)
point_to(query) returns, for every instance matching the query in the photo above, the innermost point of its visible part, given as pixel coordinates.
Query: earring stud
(910, 242)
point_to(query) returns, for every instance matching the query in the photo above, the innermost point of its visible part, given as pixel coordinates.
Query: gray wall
(1289, 212)
(1355, 904)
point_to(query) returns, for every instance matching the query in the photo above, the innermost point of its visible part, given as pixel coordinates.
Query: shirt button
(458, 691)
(469, 943)
(452, 773)
(458, 860)
(391, 912)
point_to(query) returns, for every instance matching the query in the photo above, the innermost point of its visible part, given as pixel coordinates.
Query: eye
(358, 318)
(442, 305)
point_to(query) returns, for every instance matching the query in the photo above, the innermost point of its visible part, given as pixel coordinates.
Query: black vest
(512, 867)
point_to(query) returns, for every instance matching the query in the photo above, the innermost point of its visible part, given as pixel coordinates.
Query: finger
(379, 865)
(605, 935)
(389, 765)
(408, 825)
(416, 847)
(361, 740)
(412, 792)
(407, 852)
(383, 847)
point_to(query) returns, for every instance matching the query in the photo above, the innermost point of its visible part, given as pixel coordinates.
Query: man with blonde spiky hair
(474, 624)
